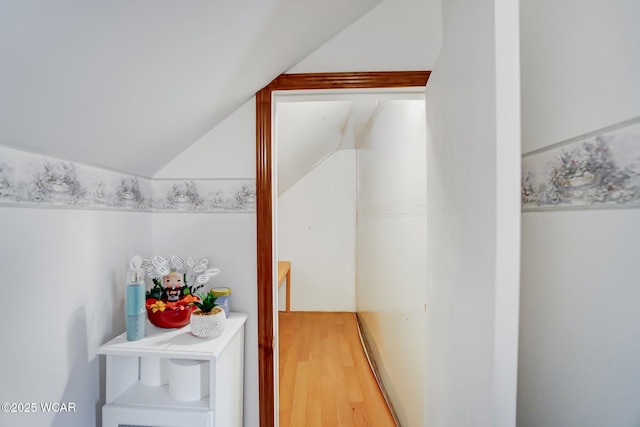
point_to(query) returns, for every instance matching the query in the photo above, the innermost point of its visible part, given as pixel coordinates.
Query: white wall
(391, 247)
(228, 240)
(72, 263)
(63, 296)
(579, 349)
(473, 216)
(316, 232)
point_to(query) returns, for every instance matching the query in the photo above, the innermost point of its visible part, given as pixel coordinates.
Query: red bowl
(171, 318)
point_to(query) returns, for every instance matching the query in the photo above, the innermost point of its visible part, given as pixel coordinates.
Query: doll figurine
(173, 284)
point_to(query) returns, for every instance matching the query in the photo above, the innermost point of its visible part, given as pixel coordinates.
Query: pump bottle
(134, 301)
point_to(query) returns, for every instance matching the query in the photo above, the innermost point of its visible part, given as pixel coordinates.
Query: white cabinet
(131, 402)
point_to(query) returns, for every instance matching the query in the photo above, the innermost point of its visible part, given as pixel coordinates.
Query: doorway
(266, 268)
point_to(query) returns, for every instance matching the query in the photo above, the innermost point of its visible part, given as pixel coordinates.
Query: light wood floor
(325, 379)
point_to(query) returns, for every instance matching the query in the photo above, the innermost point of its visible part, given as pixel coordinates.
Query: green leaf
(207, 303)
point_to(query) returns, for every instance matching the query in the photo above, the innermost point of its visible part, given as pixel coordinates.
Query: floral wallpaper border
(32, 180)
(594, 171)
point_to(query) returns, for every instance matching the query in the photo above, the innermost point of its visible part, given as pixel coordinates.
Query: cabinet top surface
(176, 343)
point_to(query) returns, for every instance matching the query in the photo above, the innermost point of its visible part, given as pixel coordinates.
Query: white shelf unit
(130, 402)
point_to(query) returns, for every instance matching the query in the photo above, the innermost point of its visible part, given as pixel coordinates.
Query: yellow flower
(158, 306)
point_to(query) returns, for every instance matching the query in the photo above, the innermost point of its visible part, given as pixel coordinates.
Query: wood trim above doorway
(264, 194)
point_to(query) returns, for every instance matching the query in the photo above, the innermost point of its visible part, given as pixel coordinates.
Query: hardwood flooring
(325, 379)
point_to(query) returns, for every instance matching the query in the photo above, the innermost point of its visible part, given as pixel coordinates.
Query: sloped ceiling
(309, 132)
(129, 84)
(395, 35)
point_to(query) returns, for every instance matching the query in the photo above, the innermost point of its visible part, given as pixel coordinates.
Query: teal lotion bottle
(135, 304)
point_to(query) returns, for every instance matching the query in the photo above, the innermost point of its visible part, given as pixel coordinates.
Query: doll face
(172, 280)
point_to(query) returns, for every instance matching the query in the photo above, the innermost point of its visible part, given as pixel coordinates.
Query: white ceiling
(129, 84)
(395, 35)
(309, 132)
(313, 132)
(310, 126)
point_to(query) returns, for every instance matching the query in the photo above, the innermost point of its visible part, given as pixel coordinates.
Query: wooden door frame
(264, 206)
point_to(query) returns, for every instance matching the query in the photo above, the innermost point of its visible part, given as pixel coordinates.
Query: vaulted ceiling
(129, 84)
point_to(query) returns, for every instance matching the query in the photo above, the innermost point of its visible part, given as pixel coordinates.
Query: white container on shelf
(154, 371)
(188, 379)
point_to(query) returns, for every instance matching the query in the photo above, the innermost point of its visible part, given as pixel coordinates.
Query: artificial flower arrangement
(173, 296)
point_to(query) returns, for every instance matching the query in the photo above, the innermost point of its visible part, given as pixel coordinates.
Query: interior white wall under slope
(63, 296)
(228, 240)
(580, 323)
(473, 211)
(395, 35)
(391, 247)
(579, 350)
(316, 232)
